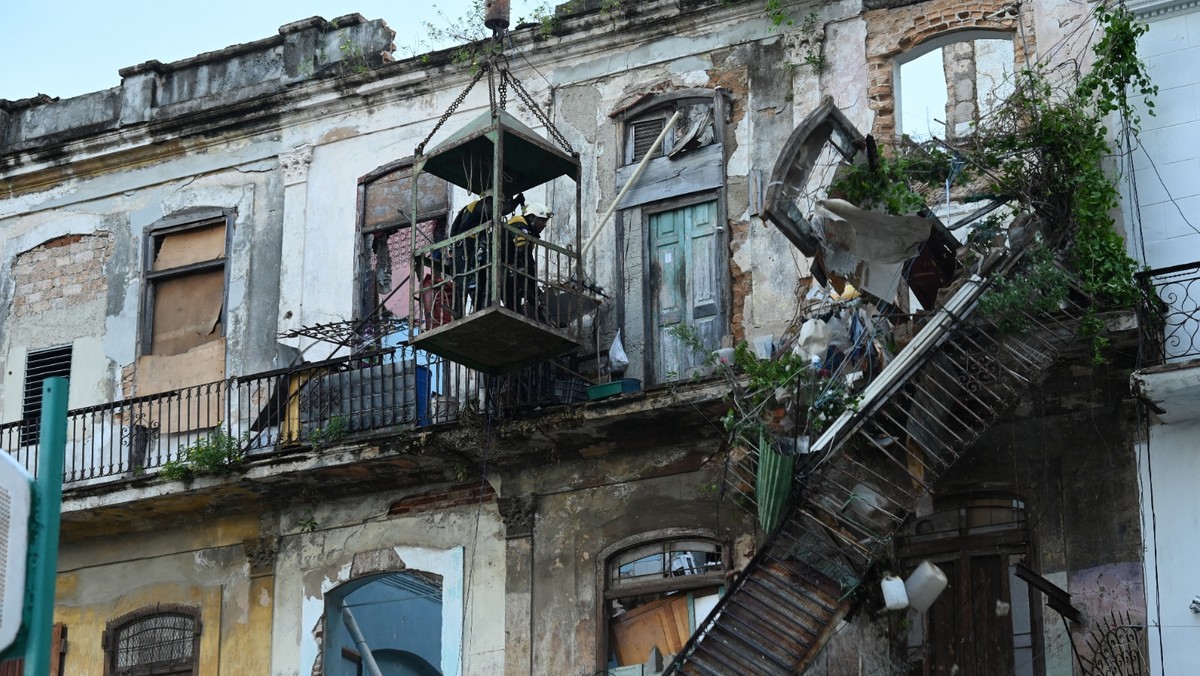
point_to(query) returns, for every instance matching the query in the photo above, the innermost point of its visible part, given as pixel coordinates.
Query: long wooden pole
(641, 168)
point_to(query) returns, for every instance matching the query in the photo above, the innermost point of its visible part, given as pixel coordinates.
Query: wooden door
(687, 289)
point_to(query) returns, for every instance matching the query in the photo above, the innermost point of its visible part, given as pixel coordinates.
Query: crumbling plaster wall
(319, 541)
(578, 517)
(1067, 450)
(120, 208)
(202, 564)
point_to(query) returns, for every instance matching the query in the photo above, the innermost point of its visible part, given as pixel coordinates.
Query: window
(655, 595)
(385, 254)
(672, 236)
(986, 622)
(944, 91)
(396, 616)
(185, 283)
(40, 365)
(162, 640)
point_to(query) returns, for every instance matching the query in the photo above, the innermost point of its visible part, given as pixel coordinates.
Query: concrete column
(295, 165)
(518, 515)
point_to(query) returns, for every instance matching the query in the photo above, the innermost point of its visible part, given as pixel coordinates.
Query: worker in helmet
(470, 255)
(520, 258)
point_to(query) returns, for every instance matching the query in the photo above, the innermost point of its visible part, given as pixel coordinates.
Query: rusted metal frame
(1000, 373)
(730, 645)
(1004, 347)
(903, 466)
(898, 518)
(886, 481)
(818, 542)
(819, 615)
(915, 403)
(845, 520)
(763, 637)
(698, 665)
(759, 608)
(970, 411)
(729, 655)
(845, 538)
(966, 361)
(900, 441)
(823, 638)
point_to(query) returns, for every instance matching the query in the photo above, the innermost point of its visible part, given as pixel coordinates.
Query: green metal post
(43, 547)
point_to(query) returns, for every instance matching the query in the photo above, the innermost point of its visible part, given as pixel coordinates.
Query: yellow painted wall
(204, 566)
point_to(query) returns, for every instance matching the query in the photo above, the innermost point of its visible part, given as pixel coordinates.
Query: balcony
(314, 405)
(1169, 380)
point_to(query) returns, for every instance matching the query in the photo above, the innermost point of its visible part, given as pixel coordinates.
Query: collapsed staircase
(956, 377)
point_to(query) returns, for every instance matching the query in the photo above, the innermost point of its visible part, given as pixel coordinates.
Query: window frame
(181, 222)
(114, 626)
(609, 555)
(437, 207)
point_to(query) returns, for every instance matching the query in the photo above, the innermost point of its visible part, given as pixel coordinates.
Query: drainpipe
(364, 650)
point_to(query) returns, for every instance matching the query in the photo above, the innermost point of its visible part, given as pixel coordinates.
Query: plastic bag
(618, 361)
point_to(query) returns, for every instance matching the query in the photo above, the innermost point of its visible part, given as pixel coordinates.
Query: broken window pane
(190, 246)
(658, 593)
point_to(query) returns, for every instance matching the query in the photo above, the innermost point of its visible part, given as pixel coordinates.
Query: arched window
(948, 84)
(161, 640)
(656, 591)
(396, 617)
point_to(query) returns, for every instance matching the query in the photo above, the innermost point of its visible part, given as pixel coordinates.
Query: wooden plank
(187, 311)
(190, 246)
(701, 169)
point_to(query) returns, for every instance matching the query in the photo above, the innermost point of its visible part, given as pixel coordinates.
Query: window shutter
(644, 133)
(40, 365)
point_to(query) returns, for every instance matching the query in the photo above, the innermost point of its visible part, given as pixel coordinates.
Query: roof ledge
(1172, 390)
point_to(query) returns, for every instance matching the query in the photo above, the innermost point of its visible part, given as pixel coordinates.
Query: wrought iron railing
(1170, 314)
(310, 404)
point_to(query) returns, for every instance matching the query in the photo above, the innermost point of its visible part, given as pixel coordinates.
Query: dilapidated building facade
(293, 432)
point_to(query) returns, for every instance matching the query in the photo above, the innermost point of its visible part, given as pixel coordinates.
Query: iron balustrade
(1170, 314)
(308, 405)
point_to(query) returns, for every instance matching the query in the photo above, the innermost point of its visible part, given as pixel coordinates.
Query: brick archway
(894, 31)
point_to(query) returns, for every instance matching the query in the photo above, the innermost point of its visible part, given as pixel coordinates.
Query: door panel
(687, 274)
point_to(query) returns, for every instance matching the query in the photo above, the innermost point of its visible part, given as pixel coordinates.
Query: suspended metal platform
(492, 294)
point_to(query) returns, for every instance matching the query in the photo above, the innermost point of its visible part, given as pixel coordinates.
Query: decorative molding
(295, 164)
(1157, 9)
(260, 554)
(517, 512)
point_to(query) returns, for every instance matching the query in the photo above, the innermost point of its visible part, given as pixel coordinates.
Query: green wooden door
(687, 288)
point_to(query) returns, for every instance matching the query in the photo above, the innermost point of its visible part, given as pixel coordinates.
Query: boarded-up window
(186, 287)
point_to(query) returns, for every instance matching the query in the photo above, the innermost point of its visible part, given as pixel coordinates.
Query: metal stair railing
(873, 465)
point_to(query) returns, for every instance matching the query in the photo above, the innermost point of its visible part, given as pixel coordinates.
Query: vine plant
(1046, 147)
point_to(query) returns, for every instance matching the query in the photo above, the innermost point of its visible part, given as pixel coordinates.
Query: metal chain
(541, 115)
(492, 89)
(504, 77)
(453, 107)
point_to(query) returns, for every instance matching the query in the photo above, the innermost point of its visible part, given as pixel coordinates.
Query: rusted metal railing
(309, 404)
(1170, 314)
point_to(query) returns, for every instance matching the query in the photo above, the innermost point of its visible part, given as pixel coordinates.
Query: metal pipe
(495, 14)
(364, 650)
(43, 550)
(632, 179)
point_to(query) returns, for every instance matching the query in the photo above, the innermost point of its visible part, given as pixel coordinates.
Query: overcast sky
(66, 48)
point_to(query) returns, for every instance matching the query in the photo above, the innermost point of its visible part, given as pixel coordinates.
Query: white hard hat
(538, 209)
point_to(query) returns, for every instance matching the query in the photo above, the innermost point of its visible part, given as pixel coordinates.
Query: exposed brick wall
(461, 495)
(891, 32)
(60, 273)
